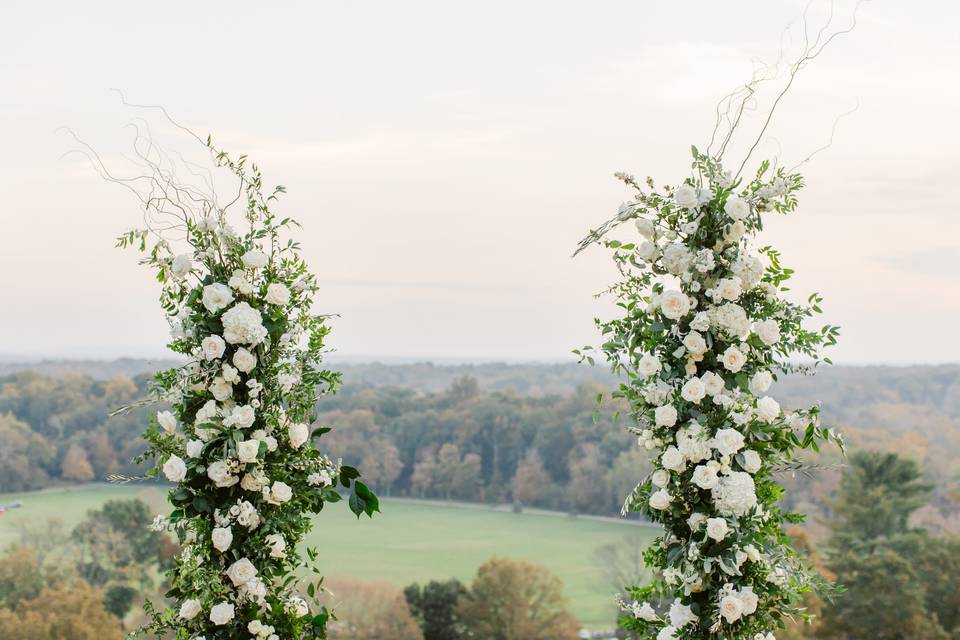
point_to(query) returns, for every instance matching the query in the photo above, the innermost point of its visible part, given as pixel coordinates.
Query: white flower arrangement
(236, 441)
(705, 329)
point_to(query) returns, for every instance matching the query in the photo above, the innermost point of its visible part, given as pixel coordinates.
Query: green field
(410, 541)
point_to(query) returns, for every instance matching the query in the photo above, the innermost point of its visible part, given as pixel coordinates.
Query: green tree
(877, 556)
(434, 606)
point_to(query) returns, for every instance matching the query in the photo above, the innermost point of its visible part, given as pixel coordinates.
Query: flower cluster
(704, 332)
(236, 441)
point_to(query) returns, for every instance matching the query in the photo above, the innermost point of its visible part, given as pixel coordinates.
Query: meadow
(411, 541)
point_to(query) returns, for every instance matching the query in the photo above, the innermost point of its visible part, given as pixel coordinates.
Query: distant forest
(518, 433)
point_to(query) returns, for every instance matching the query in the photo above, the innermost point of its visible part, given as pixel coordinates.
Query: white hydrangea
(242, 324)
(735, 494)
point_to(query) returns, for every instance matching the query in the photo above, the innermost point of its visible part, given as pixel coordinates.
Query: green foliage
(434, 606)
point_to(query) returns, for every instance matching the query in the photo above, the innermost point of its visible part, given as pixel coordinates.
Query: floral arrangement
(703, 332)
(237, 442)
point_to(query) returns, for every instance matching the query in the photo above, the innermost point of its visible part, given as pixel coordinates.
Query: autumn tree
(24, 455)
(381, 464)
(67, 611)
(76, 465)
(531, 481)
(516, 600)
(369, 611)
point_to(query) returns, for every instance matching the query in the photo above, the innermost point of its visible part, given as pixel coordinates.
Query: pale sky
(446, 157)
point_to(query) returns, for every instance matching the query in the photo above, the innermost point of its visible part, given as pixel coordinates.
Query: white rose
(241, 571)
(298, 434)
(280, 492)
(693, 390)
(221, 613)
(717, 528)
(667, 633)
(729, 288)
(695, 343)
(760, 382)
(277, 545)
(681, 615)
(189, 609)
(167, 421)
(660, 500)
(254, 259)
(695, 520)
(665, 416)
(685, 196)
(219, 472)
(277, 294)
(705, 477)
(221, 389)
(748, 600)
(752, 553)
(206, 412)
(222, 538)
(768, 408)
(768, 331)
(243, 324)
(645, 227)
(674, 304)
(216, 296)
(194, 448)
(751, 461)
(733, 359)
(737, 208)
(242, 417)
(230, 374)
(712, 383)
(244, 360)
(247, 451)
(182, 266)
(731, 608)
(649, 364)
(213, 347)
(175, 469)
(672, 459)
(728, 441)
(660, 478)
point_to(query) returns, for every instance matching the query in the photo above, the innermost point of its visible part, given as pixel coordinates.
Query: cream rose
(216, 296)
(222, 538)
(221, 613)
(297, 435)
(254, 259)
(733, 359)
(768, 331)
(244, 360)
(768, 409)
(213, 347)
(760, 382)
(660, 478)
(717, 528)
(645, 228)
(182, 266)
(280, 492)
(665, 416)
(194, 448)
(660, 500)
(712, 383)
(695, 343)
(731, 608)
(189, 609)
(241, 571)
(674, 304)
(737, 208)
(277, 545)
(705, 477)
(728, 441)
(248, 450)
(751, 461)
(175, 469)
(693, 390)
(277, 294)
(219, 473)
(649, 364)
(685, 196)
(166, 420)
(672, 459)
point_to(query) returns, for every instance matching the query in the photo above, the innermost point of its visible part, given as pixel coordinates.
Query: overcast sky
(445, 157)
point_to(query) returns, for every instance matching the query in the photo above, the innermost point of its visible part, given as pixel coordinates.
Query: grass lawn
(410, 541)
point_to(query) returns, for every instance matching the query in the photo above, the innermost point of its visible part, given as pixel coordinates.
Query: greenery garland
(702, 333)
(237, 441)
